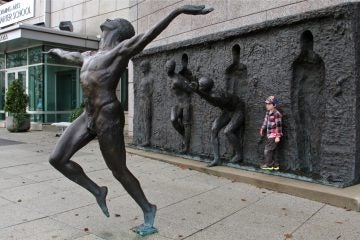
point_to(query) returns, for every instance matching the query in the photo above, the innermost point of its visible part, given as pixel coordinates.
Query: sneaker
(266, 167)
(276, 168)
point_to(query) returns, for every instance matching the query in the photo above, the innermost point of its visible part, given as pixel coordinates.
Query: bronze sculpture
(181, 112)
(232, 117)
(104, 116)
(146, 91)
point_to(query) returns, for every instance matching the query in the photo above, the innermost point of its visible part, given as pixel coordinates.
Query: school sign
(16, 11)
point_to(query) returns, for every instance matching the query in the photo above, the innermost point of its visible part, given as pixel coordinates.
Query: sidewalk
(38, 203)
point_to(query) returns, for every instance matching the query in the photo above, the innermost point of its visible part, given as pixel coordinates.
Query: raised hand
(53, 51)
(195, 9)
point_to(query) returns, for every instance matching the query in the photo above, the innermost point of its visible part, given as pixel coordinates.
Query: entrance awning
(25, 35)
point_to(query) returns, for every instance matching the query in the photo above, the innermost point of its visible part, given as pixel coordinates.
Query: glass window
(36, 88)
(2, 61)
(35, 55)
(2, 94)
(22, 78)
(61, 91)
(16, 59)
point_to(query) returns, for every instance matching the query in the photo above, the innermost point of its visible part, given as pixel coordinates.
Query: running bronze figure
(104, 116)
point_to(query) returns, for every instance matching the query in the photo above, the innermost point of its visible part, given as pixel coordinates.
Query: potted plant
(15, 104)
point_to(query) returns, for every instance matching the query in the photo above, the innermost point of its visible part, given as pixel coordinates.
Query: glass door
(11, 75)
(16, 74)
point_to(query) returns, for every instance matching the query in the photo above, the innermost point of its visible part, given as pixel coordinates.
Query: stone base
(36, 126)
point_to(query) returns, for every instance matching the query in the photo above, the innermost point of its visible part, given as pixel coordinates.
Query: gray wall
(228, 14)
(269, 51)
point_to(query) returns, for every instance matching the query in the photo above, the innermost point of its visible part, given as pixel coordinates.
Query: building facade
(31, 27)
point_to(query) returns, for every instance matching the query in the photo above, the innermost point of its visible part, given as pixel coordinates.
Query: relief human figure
(146, 90)
(231, 118)
(181, 112)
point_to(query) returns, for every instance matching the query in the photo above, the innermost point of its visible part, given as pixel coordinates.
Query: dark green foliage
(76, 113)
(16, 98)
(16, 103)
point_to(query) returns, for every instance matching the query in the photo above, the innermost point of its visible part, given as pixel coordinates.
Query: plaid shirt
(273, 124)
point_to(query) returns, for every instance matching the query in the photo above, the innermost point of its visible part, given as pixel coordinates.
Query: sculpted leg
(176, 120)
(147, 122)
(237, 120)
(187, 128)
(113, 150)
(74, 138)
(218, 124)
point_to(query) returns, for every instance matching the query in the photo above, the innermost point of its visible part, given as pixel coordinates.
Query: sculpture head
(145, 66)
(205, 84)
(236, 53)
(184, 61)
(307, 41)
(115, 31)
(170, 66)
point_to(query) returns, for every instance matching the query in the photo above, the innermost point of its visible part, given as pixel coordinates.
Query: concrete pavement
(36, 202)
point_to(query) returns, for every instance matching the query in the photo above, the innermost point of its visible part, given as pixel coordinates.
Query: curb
(348, 198)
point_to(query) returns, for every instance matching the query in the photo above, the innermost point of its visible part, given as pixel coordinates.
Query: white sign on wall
(16, 11)
(10, 36)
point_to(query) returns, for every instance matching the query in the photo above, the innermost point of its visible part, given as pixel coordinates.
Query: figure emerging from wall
(185, 71)
(231, 118)
(308, 101)
(104, 116)
(236, 75)
(181, 112)
(145, 99)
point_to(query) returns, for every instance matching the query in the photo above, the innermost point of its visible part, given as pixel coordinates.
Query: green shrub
(16, 102)
(16, 98)
(76, 113)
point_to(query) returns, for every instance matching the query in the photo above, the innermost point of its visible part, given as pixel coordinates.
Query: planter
(18, 123)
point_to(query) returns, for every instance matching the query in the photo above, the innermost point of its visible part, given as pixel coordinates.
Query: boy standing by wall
(273, 125)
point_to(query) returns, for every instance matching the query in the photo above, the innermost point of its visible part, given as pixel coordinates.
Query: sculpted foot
(101, 200)
(236, 159)
(183, 151)
(149, 216)
(147, 228)
(215, 162)
(145, 144)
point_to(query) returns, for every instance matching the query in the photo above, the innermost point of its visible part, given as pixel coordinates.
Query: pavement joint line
(6, 198)
(42, 181)
(69, 210)
(231, 214)
(182, 200)
(312, 215)
(74, 227)
(32, 220)
(24, 184)
(24, 164)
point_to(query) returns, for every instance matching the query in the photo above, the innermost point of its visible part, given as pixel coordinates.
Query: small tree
(16, 102)
(76, 113)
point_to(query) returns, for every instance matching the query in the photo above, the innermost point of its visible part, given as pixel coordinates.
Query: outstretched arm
(214, 98)
(137, 43)
(73, 57)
